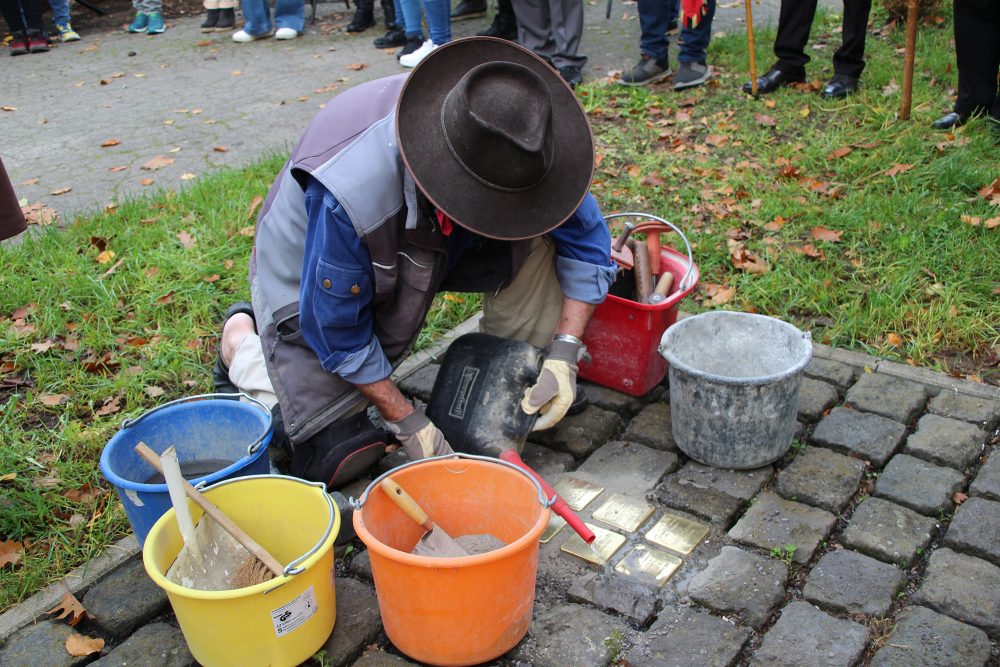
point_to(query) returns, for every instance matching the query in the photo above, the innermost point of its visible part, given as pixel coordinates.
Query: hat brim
(453, 190)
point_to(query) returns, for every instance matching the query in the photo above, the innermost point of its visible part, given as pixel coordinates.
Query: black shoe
(469, 9)
(840, 86)
(364, 16)
(211, 20)
(773, 79)
(220, 371)
(391, 39)
(572, 75)
(949, 121)
(411, 45)
(227, 20)
(504, 26)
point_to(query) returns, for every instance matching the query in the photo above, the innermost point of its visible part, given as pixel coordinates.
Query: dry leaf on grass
(185, 238)
(10, 552)
(839, 153)
(7, 477)
(824, 234)
(765, 120)
(894, 339)
(897, 169)
(154, 392)
(745, 260)
(81, 645)
(105, 256)
(254, 205)
(109, 407)
(53, 399)
(85, 494)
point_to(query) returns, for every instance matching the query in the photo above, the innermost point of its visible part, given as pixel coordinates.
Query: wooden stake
(753, 50)
(912, 11)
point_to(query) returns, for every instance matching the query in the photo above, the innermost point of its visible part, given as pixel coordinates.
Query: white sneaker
(286, 33)
(413, 59)
(242, 36)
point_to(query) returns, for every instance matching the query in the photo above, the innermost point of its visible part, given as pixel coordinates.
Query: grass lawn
(833, 215)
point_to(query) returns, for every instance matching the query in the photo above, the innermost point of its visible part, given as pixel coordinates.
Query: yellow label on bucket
(290, 616)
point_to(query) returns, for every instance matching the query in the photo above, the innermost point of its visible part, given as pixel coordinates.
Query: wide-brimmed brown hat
(495, 138)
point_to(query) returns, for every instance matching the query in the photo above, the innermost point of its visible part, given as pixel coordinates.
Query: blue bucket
(206, 429)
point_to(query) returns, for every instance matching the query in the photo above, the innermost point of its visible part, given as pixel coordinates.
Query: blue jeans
(60, 11)
(654, 18)
(287, 14)
(438, 19)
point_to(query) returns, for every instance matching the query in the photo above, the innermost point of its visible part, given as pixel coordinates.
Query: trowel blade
(438, 544)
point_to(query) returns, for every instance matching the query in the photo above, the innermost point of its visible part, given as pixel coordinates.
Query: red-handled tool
(559, 507)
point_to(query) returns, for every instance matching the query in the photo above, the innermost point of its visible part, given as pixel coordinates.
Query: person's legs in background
(794, 23)
(438, 13)
(256, 21)
(977, 54)
(693, 58)
(396, 34)
(654, 17)
(410, 11)
(61, 21)
(504, 23)
(289, 18)
(849, 59)
(11, 11)
(567, 31)
(220, 15)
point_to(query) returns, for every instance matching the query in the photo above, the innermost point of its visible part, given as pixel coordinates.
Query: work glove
(554, 391)
(420, 438)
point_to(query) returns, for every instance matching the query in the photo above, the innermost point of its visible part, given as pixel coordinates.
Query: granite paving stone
(613, 592)
(883, 394)
(548, 463)
(738, 581)
(815, 398)
(867, 436)
(975, 529)
(919, 485)
(924, 638)
(568, 634)
(804, 636)
(963, 587)
(839, 375)
(581, 434)
(358, 621)
(153, 645)
(609, 399)
(652, 427)
(40, 645)
(987, 481)
(683, 637)
(361, 566)
(421, 383)
(773, 523)
(378, 658)
(888, 532)
(846, 582)
(711, 505)
(124, 600)
(945, 441)
(820, 477)
(742, 484)
(979, 411)
(626, 467)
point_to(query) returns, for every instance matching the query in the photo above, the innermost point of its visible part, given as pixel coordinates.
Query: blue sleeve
(335, 297)
(583, 254)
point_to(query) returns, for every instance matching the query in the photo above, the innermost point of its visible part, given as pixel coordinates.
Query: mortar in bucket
(217, 437)
(734, 386)
(465, 610)
(283, 621)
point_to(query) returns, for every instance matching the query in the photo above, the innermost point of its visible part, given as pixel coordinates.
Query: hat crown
(497, 122)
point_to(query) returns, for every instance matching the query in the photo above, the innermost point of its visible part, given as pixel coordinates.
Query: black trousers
(794, 22)
(977, 50)
(32, 20)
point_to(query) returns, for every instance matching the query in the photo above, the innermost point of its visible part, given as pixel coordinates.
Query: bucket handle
(545, 502)
(683, 284)
(254, 446)
(292, 568)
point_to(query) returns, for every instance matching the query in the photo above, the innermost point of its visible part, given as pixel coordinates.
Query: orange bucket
(455, 611)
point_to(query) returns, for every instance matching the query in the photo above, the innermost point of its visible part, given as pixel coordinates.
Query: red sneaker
(19, 45)
(38, 43)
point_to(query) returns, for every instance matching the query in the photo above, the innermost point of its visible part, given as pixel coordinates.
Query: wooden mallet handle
(220, 518)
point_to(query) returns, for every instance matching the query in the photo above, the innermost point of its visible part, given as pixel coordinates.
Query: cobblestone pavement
(875, 540)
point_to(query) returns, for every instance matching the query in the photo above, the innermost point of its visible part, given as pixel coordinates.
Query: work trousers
(794, 23)
(977, 51)
(552, 29)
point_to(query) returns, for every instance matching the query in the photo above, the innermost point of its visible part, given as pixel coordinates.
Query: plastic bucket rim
(429, 562)
(212, 478)
(315, 553)
(680, 365)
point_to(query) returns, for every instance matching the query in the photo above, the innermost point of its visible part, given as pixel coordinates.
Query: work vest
(350, 148)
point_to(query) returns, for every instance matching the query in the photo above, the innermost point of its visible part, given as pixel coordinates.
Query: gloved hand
(420, 438)
(555, 389)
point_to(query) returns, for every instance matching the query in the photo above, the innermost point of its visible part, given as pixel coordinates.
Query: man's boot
(504, 23)
(227, 19)
(469, 9)
(389, 10)
(364, 16)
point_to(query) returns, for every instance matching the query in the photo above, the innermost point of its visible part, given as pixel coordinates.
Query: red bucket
(623, 337)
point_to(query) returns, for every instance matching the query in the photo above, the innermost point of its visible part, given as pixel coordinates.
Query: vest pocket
(339, 294)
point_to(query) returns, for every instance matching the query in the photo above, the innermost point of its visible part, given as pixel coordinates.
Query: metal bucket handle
(683, 284)
(545, 502)
(292, 568)
(251, 449)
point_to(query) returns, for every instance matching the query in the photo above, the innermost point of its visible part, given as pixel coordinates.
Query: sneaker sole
(653, 79)
(696, 82)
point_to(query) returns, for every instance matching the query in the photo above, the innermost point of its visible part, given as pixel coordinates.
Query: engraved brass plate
(555, 524)
(625, 513)
(677, 533)
(576, 492)
(648, 564)
(598, 553)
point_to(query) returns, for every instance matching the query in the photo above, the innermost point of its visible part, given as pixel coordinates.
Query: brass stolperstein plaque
(555, 524)
(576, 492)
(646, 563)
(625, 513)
(598, 553)
(677, 533)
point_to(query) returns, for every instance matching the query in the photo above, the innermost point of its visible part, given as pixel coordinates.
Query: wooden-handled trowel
(435, 543)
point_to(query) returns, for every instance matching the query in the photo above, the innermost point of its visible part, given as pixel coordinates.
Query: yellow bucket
(279, 622)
